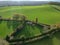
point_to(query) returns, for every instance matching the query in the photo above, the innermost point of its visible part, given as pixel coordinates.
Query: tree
(0, 19)
(23, 18)
(16, 16)
(36, 20)
(54, 3)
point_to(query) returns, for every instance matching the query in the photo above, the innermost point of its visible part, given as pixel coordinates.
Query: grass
(4, 30)
(55, 40)
(31, 30)
(45, 14)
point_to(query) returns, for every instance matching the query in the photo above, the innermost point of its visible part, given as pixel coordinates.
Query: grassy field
(31, 30)
(45, 14)
(55, 40)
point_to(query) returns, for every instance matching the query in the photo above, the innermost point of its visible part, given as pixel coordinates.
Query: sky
(23, 0)
(29, 0)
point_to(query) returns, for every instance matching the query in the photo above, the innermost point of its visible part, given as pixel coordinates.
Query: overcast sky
(29, 0)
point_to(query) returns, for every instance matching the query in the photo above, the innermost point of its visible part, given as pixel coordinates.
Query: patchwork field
(45, 13)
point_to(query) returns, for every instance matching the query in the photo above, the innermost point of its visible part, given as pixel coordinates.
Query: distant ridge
(12, 3)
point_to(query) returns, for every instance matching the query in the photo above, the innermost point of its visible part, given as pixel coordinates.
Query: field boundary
(31, 39)
(55, 8)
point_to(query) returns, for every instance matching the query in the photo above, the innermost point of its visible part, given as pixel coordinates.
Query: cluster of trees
(54, 3)
(18, 16)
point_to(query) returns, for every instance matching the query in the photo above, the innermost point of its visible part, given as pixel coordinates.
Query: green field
(55, 40)
(45, 13)
(31, 30)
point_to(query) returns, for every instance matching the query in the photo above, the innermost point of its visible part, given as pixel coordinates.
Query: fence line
(31, 39)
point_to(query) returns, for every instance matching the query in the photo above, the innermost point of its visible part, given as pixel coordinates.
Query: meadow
(45, 13)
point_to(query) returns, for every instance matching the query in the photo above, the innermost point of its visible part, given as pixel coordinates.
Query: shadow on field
(56, 8)
(13, 24)
(45, 41)
(40, 28)
(9, 23)
(26, 31)
(0, 21)
(30, 29)
(57, 35)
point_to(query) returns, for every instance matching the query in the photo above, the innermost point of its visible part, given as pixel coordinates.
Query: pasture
(45, 13)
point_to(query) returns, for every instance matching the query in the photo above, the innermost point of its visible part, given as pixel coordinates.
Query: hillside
(46, 14)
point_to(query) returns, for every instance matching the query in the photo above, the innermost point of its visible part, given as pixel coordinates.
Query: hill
(16, 3)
